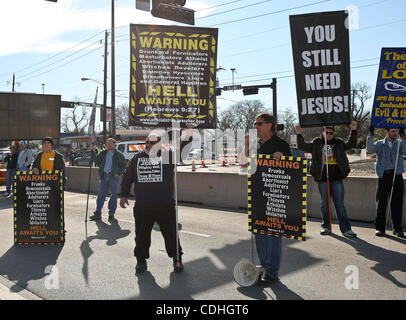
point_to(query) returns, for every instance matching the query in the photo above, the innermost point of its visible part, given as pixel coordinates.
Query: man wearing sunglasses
(338, 169)
(152, 172)
(269, 248)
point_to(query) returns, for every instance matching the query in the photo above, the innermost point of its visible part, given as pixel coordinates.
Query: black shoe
(95, 217)
(379, 233)
(399, 234)
(177, 265)
(267, 280)
(141, 266)
(111, 217)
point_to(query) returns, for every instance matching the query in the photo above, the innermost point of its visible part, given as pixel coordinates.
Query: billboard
(173, 76)
(389, 106)
(29, 116)
(321, 56)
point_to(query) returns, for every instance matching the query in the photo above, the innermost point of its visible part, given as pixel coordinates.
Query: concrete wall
(229, 190)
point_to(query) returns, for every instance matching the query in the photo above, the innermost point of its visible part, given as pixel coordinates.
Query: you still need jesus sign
(320, 43)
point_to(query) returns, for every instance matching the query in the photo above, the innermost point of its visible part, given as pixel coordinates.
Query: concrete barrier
(229, 190)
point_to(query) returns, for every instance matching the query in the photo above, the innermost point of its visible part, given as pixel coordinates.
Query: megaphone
(246, 273)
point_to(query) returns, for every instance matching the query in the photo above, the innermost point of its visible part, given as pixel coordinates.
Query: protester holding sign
(111, 165)
(337, 168)
(269, 247)
(152, 172)
(387, 151)
(49, 159)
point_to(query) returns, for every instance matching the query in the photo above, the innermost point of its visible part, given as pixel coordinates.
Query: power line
(59, 60)
(235, 9)
(73, 60)
(291, 76)
(56, 55)
(269, 13)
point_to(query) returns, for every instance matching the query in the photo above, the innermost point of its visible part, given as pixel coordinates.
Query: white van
(130, 148)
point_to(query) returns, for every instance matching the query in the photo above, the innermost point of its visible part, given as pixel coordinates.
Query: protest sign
(173, 76)
(277, 193)
(389, 107)
(321, 56)
(38, 208)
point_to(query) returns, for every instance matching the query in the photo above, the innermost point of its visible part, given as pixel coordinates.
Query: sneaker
(177, 265)
(267, 280)
(350, 234)
(111, 217)
(399, 234)
(324, 231)
(379, 233)
(95, 217)
(141, 266)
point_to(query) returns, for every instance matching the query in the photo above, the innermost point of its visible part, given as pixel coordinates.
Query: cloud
(40, 26)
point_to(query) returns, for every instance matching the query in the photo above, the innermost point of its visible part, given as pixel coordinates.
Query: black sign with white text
(38, 208)
(321, 56)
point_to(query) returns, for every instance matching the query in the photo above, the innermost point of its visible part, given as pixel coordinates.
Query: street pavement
(97, 262)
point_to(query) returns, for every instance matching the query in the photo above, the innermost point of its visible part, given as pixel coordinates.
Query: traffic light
(68, 104)
(250, 90)
(173, 10)
(143, 5)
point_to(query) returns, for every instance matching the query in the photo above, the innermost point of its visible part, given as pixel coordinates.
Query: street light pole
(113, 84)
(105, 89)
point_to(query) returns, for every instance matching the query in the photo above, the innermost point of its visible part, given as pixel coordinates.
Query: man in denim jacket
(386, 153)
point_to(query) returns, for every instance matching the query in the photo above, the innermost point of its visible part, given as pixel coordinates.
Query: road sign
(234, 87)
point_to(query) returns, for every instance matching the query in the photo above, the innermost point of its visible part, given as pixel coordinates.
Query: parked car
(196, 154)
(130, 148)
(83, 161)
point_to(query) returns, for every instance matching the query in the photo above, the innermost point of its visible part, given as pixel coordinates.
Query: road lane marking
(196, 234)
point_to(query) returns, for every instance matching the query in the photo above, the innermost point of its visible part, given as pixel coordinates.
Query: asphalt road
(97, 262)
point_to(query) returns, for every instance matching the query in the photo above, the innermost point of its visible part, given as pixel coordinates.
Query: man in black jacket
(152, 172)
(11, 160)
(338, 168)
(269, 247)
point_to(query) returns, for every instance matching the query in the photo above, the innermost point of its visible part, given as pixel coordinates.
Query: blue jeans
(108, 181)
(269, 250)
(337, 193)
(10, 180)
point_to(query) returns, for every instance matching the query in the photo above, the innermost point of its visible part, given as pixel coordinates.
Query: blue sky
(57, 44)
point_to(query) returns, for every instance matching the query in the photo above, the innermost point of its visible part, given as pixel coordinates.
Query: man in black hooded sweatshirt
(152, 172)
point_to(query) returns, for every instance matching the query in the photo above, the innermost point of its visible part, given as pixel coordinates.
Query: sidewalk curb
(7, 294)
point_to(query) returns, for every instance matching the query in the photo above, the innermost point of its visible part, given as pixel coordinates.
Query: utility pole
(14, 82)
(274, 102)
(105, 89)
(113, 84)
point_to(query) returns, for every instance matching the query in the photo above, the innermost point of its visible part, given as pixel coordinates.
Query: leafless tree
(122, 116)
(76, 120)
(240, 115)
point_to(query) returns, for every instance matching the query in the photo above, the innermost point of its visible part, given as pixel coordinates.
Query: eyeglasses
(330, 133)
(259, 123)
